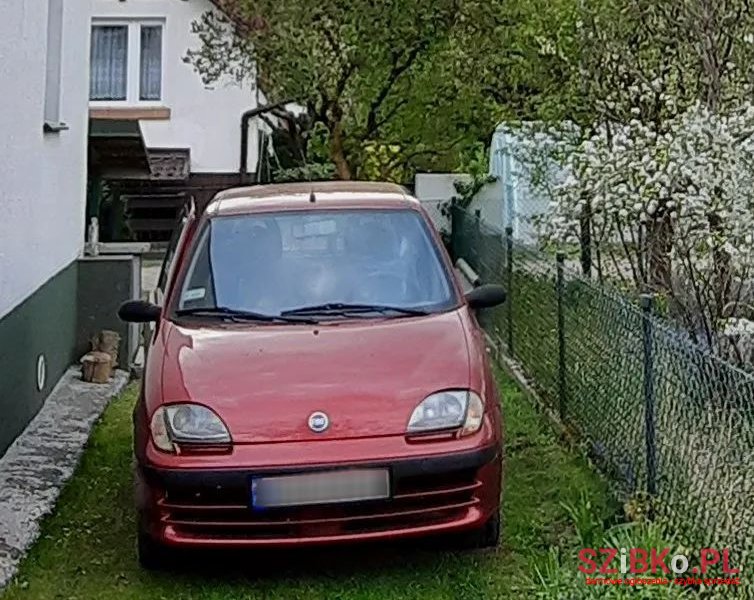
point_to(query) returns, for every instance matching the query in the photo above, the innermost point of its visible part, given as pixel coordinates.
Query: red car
(316, 375)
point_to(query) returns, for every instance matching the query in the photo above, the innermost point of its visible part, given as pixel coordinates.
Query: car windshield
(342, 262)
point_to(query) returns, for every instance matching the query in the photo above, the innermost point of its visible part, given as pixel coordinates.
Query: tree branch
(389, 115)
(396, 71)
(427, 152)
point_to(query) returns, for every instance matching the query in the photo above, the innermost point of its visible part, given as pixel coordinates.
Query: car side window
(167, 263)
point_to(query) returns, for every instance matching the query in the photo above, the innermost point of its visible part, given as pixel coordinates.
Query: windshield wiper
(239, 315)
(343, 308)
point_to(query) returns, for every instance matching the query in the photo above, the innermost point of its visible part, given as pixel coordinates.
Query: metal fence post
(474, 245)
(509, 284)
(455, 225)
(647, 303)
(560, 257)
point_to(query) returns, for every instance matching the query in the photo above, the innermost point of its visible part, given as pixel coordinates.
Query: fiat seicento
(315, 375)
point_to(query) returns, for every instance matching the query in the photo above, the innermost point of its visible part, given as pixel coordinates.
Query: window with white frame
(126, 62)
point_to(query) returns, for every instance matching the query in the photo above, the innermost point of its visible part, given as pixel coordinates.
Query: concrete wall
(104, 283)
(207, 120)
(489, 201)
(37, 342)
(435, 189)
(42, 175)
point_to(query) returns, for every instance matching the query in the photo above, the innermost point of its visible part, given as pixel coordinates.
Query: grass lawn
(86, 549)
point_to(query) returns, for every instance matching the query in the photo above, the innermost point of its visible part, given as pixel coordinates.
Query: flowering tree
(670, 212)
(659, 182)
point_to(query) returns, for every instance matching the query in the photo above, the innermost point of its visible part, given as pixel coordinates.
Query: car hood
(265, 381)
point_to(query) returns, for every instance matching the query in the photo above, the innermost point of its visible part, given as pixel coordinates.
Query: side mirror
(486, 296)
(139, 311)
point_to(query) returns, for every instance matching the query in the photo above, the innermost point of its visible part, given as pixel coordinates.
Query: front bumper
(210, 507)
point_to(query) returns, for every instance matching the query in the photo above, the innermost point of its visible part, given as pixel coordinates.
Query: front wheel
(152, 555)
(487, 536)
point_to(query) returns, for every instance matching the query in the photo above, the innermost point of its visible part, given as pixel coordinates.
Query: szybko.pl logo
(609, 565)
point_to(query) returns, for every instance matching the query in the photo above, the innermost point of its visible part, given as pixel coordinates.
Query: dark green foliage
(412, 82)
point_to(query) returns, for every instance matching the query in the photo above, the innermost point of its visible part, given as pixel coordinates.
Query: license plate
(326, 487)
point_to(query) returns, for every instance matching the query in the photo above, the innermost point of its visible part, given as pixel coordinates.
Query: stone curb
(43, 458)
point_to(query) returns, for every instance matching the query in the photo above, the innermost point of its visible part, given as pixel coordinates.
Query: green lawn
(87, 546)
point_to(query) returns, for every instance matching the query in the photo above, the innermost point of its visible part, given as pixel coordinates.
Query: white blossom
(697, 173)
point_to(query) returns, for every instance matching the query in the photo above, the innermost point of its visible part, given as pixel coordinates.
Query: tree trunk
(585, 240)
(338, 154)
(722, 281)
(659, 245)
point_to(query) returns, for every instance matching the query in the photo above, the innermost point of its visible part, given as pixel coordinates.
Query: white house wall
(206, 120)
(42, 175)
(42, 203)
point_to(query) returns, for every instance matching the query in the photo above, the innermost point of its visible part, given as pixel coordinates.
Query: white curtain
(109, 64)
(151, 63)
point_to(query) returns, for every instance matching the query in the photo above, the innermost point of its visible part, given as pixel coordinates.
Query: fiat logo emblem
(318, 422)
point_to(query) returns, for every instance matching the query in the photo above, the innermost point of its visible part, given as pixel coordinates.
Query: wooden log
(108, 342)
(96, 367)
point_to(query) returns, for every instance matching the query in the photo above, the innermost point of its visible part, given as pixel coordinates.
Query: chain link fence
(669, 423)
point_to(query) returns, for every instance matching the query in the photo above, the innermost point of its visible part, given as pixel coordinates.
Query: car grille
(225, 514)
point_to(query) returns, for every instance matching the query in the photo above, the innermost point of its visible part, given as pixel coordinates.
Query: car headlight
(452, 409)
(187, 423)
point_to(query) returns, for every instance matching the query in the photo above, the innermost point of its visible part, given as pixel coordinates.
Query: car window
(276, 262)
(167, 262)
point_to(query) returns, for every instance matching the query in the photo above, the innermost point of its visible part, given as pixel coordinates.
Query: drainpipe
(246, 118)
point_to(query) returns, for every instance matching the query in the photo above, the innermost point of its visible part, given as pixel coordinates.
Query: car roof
(310, 196)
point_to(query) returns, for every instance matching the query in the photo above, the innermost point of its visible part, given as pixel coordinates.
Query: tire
(487, 536)
(152, 555)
